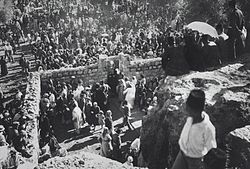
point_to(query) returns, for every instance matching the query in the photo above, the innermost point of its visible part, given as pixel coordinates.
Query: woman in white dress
(130, 94)
(76, 117)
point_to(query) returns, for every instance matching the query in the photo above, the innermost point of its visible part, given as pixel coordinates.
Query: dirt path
(88, 141)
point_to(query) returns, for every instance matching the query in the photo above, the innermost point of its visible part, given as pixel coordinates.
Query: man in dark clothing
(45, 128)
(116, 143)
(236, 24)
(22, 144)
(126, 113)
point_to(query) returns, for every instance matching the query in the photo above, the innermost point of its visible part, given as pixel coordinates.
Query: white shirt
(197, 139)
(136, 144)
(76, 114)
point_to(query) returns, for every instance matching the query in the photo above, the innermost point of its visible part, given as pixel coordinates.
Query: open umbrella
(203, 28)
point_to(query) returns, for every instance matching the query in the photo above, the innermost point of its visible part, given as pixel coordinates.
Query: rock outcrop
(238, 148)
(82, 160)
(227, 103)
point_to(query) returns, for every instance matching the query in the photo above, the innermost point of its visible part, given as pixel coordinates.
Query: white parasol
(203, 28)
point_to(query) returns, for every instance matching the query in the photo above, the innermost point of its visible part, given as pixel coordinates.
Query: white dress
(77, 118)
(130, 96)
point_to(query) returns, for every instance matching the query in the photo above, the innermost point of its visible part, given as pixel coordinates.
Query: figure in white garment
(130, 94)
(76, 117)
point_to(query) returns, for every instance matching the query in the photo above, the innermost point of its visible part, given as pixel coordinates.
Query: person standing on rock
(198, 134)
(235, 31)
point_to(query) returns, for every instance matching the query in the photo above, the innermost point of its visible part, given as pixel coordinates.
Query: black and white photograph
(124, 84)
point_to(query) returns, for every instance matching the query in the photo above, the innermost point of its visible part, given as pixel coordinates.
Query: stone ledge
(238, 144)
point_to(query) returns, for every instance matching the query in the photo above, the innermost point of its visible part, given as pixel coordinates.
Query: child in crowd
(197, 136)
(101, 118)
(129, 162)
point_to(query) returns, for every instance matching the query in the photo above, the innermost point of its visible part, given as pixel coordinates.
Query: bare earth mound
(228, 101)
(82, 160)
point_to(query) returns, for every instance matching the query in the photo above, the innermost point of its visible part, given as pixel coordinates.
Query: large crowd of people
(65, 33)
(89, 106)
(70, 34)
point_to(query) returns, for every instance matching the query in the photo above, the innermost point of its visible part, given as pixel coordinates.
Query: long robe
(77, 118)
(4, 69)
(106, 146)
(130, 95)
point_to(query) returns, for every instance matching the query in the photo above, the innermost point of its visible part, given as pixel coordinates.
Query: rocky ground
(227, 103)
(81, 159)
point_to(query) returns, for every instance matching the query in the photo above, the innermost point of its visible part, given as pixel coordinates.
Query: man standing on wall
(236, 24)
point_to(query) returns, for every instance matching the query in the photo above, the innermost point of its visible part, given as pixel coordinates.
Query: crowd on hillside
(14, 137)
(64, 33)
(68, 34)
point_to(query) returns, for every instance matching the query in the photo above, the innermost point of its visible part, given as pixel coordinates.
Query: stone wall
(96, 72)
(149, 67)
(31, 108)
(89, 74)
(31, 105)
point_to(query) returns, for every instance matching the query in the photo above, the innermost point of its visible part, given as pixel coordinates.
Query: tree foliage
(210, 11)
(244, 5)
(6, 11)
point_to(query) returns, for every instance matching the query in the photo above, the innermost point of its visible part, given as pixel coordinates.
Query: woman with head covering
(134, 80)
(120, 89)
(3, 141)
(106, 144)
(76, 117)
(130, 94)
(109, 121)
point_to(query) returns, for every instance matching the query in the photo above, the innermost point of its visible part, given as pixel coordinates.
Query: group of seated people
(14, 135)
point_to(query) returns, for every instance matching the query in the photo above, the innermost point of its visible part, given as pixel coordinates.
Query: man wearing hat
(3, 141)
(236, 25)
(14, 131)
(198, 134)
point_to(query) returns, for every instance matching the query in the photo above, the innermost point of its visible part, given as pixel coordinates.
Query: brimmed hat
(2, 128)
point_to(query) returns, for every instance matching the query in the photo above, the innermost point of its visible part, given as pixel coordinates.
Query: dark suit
(236, 24)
